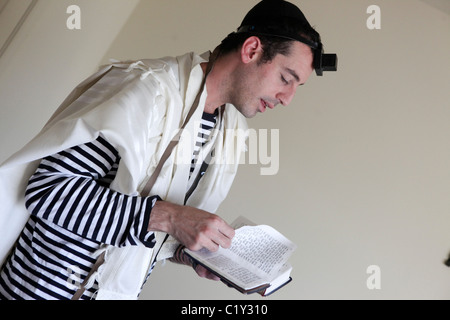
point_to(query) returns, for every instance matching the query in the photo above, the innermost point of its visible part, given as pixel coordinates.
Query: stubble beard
(240, 94)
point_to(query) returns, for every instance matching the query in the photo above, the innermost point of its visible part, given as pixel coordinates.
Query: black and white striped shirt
(73, 212)
(206, 125)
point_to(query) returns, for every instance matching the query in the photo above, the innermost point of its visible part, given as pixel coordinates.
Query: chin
(246, 112)
(249, 115)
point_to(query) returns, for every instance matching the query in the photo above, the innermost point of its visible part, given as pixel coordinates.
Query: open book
(255, 262)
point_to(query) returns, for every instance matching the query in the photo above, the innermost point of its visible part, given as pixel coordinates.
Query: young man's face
(258, 86)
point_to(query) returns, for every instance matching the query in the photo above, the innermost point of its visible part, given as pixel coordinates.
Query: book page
(262, 247)
(235, 271)
(283, 277)
(256, 255)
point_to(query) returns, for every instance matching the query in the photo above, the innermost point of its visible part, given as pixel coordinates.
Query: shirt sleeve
(71, 190)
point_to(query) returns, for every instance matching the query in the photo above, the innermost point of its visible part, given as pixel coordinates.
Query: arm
(70, 189)
(67, 190)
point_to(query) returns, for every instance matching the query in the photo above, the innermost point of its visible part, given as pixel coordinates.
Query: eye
(283, 79)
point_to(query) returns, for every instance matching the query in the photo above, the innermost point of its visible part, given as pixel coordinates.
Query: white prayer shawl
(137, 107)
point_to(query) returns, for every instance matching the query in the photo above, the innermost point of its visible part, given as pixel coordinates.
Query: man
(133, 164)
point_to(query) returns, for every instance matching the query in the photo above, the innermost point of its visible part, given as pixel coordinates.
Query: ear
(251, 49)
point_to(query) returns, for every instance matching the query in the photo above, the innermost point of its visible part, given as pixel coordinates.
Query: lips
(265, 105)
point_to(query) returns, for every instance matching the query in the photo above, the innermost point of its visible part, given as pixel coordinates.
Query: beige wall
(45, 59)
(364, 173)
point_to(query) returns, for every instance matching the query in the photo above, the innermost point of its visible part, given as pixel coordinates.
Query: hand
(205, 273)
(192, 227)
(182, 258)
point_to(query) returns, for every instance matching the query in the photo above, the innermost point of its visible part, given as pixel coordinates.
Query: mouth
(265, 105)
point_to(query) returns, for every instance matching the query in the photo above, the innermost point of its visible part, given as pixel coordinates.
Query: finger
(222, 240)
(218, 232)
(204, 273)
(227, 230)
(212, 246)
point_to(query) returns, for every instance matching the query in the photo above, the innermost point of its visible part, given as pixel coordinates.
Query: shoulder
(176, 68)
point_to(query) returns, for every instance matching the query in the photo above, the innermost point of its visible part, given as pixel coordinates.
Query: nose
(285, 97)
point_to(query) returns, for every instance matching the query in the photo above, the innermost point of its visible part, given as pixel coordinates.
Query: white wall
(364, 175)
